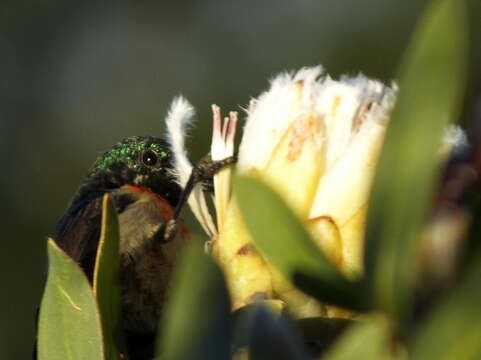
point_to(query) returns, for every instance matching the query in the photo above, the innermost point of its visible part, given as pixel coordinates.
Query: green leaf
(453, 331)
(472, 250)
(368, 339)
(106, 285)
(280, 237)
(431, 82)
(196, 324)
(69, 322)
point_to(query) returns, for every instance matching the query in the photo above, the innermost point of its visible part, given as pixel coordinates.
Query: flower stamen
(222, 147)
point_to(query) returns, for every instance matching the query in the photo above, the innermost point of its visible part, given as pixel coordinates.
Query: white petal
(454, 139)
(355, 136)
(270, 115)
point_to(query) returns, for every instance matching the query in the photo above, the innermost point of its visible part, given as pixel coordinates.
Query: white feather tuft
(179, 117)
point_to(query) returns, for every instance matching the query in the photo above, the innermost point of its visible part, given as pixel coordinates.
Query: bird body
(137, 174)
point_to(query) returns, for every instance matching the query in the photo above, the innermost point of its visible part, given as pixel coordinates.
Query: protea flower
(314, 140)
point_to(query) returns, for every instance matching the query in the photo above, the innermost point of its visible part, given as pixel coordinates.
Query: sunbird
(138, 174)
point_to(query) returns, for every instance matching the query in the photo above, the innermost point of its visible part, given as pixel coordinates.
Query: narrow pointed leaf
(368, 339)
(106, 285)
(431, 83)
(280, 237)
(197, 321)
(454, 329)
(69, 321)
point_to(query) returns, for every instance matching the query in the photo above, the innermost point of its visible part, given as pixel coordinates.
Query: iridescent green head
(140, 161)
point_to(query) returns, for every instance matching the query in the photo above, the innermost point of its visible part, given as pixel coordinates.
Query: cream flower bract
(316, 141)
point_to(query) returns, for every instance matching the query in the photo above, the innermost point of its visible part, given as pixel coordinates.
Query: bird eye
(150, 158)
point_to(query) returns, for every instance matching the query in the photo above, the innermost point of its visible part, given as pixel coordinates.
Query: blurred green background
(75, 77)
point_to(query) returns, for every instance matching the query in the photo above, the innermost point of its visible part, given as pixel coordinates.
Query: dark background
(75, 77)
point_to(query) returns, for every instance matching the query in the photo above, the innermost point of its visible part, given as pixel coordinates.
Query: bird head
(142, 161)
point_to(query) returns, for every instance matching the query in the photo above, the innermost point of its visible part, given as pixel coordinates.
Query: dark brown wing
(78, 232)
